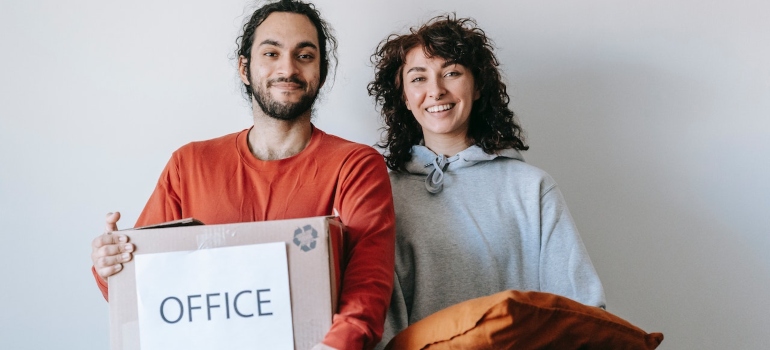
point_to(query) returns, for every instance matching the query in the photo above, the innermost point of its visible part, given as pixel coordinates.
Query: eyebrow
(305, 44)
(270, 42)
(416, 69)
(301, 45)
(447, 63)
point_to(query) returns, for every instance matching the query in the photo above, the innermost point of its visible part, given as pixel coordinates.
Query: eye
(270, 54)
(452, 74)
(418, 79)
(305, 56)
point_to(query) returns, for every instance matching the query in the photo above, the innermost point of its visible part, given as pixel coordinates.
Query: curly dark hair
(326, 40)
(492, 124)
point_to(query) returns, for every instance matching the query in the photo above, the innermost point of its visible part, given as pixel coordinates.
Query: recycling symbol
(305, 238)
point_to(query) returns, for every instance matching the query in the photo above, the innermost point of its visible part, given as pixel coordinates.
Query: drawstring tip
(434, 188)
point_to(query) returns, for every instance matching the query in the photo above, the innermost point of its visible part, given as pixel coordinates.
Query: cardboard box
(314, 249)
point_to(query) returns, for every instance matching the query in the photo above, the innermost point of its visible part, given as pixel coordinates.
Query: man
(283, 167)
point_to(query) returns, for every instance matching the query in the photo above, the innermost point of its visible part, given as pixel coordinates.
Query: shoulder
(513, 175)
(398, 176)
(536, 176)
(211, 149)
(215, 144)
(519, 169)
(335, 147)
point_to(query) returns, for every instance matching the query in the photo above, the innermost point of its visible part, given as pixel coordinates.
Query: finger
(107, 239)
(114, 249)
(111, 254)
(111, 222)
(103, 261)
(108, 271)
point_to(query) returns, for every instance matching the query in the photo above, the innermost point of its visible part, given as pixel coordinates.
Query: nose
(287, 66)
(436, 89)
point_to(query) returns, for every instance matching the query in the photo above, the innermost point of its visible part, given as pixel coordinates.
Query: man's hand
(110, 251)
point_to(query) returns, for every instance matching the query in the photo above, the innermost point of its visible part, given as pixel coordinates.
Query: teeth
(439, 108)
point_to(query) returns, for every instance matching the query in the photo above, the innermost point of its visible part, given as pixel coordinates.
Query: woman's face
(440, 95)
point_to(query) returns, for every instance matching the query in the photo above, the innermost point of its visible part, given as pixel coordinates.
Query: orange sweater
(219, 181)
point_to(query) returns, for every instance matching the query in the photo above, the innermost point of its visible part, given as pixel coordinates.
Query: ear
(476, 94)
(243, 69)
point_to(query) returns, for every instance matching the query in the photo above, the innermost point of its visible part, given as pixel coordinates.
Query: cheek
(411, 99)
(316, 81)
(467, 89)
(260, 69)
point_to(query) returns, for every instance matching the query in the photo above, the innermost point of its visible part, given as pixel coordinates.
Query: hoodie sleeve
(565, 267)
(398, 315)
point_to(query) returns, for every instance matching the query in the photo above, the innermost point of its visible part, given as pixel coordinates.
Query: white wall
(652, 116)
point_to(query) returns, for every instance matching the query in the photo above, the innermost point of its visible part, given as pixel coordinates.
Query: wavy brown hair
(492, 124)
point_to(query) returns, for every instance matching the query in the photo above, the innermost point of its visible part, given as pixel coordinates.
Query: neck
(448, 146)
(273, 139)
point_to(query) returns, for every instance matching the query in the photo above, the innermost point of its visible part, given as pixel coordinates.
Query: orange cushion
(523, 320)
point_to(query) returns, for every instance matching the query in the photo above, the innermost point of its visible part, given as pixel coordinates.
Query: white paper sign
(221, 298)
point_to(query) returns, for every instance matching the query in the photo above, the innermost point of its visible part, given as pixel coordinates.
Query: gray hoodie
(475, 224)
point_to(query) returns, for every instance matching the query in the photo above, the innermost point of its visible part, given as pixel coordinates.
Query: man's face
(285, 67)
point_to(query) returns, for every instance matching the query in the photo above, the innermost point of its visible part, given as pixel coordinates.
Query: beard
(287, 111)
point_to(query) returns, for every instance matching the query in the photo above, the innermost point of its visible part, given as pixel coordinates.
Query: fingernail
(126, 256)
(118, 267)
(123, 239)
(129, 247)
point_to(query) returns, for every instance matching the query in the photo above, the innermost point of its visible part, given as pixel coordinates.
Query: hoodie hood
(426, 162)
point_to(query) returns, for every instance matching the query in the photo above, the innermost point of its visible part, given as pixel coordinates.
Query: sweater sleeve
(365, 202)
(163, 205)
(100, 283)
(565, 267)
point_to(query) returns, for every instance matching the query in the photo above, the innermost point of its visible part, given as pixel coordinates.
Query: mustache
(292, 79)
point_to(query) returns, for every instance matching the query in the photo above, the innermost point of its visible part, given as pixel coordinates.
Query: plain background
(651, 115)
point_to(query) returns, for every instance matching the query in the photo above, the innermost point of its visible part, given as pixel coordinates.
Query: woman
(472, 218)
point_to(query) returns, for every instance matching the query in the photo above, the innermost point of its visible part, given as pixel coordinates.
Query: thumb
(111, 221)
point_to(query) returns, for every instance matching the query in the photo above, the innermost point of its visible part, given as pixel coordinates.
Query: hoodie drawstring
(435, 180)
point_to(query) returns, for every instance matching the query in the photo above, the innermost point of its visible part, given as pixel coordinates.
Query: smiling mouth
(286, 86)
(440, 108)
